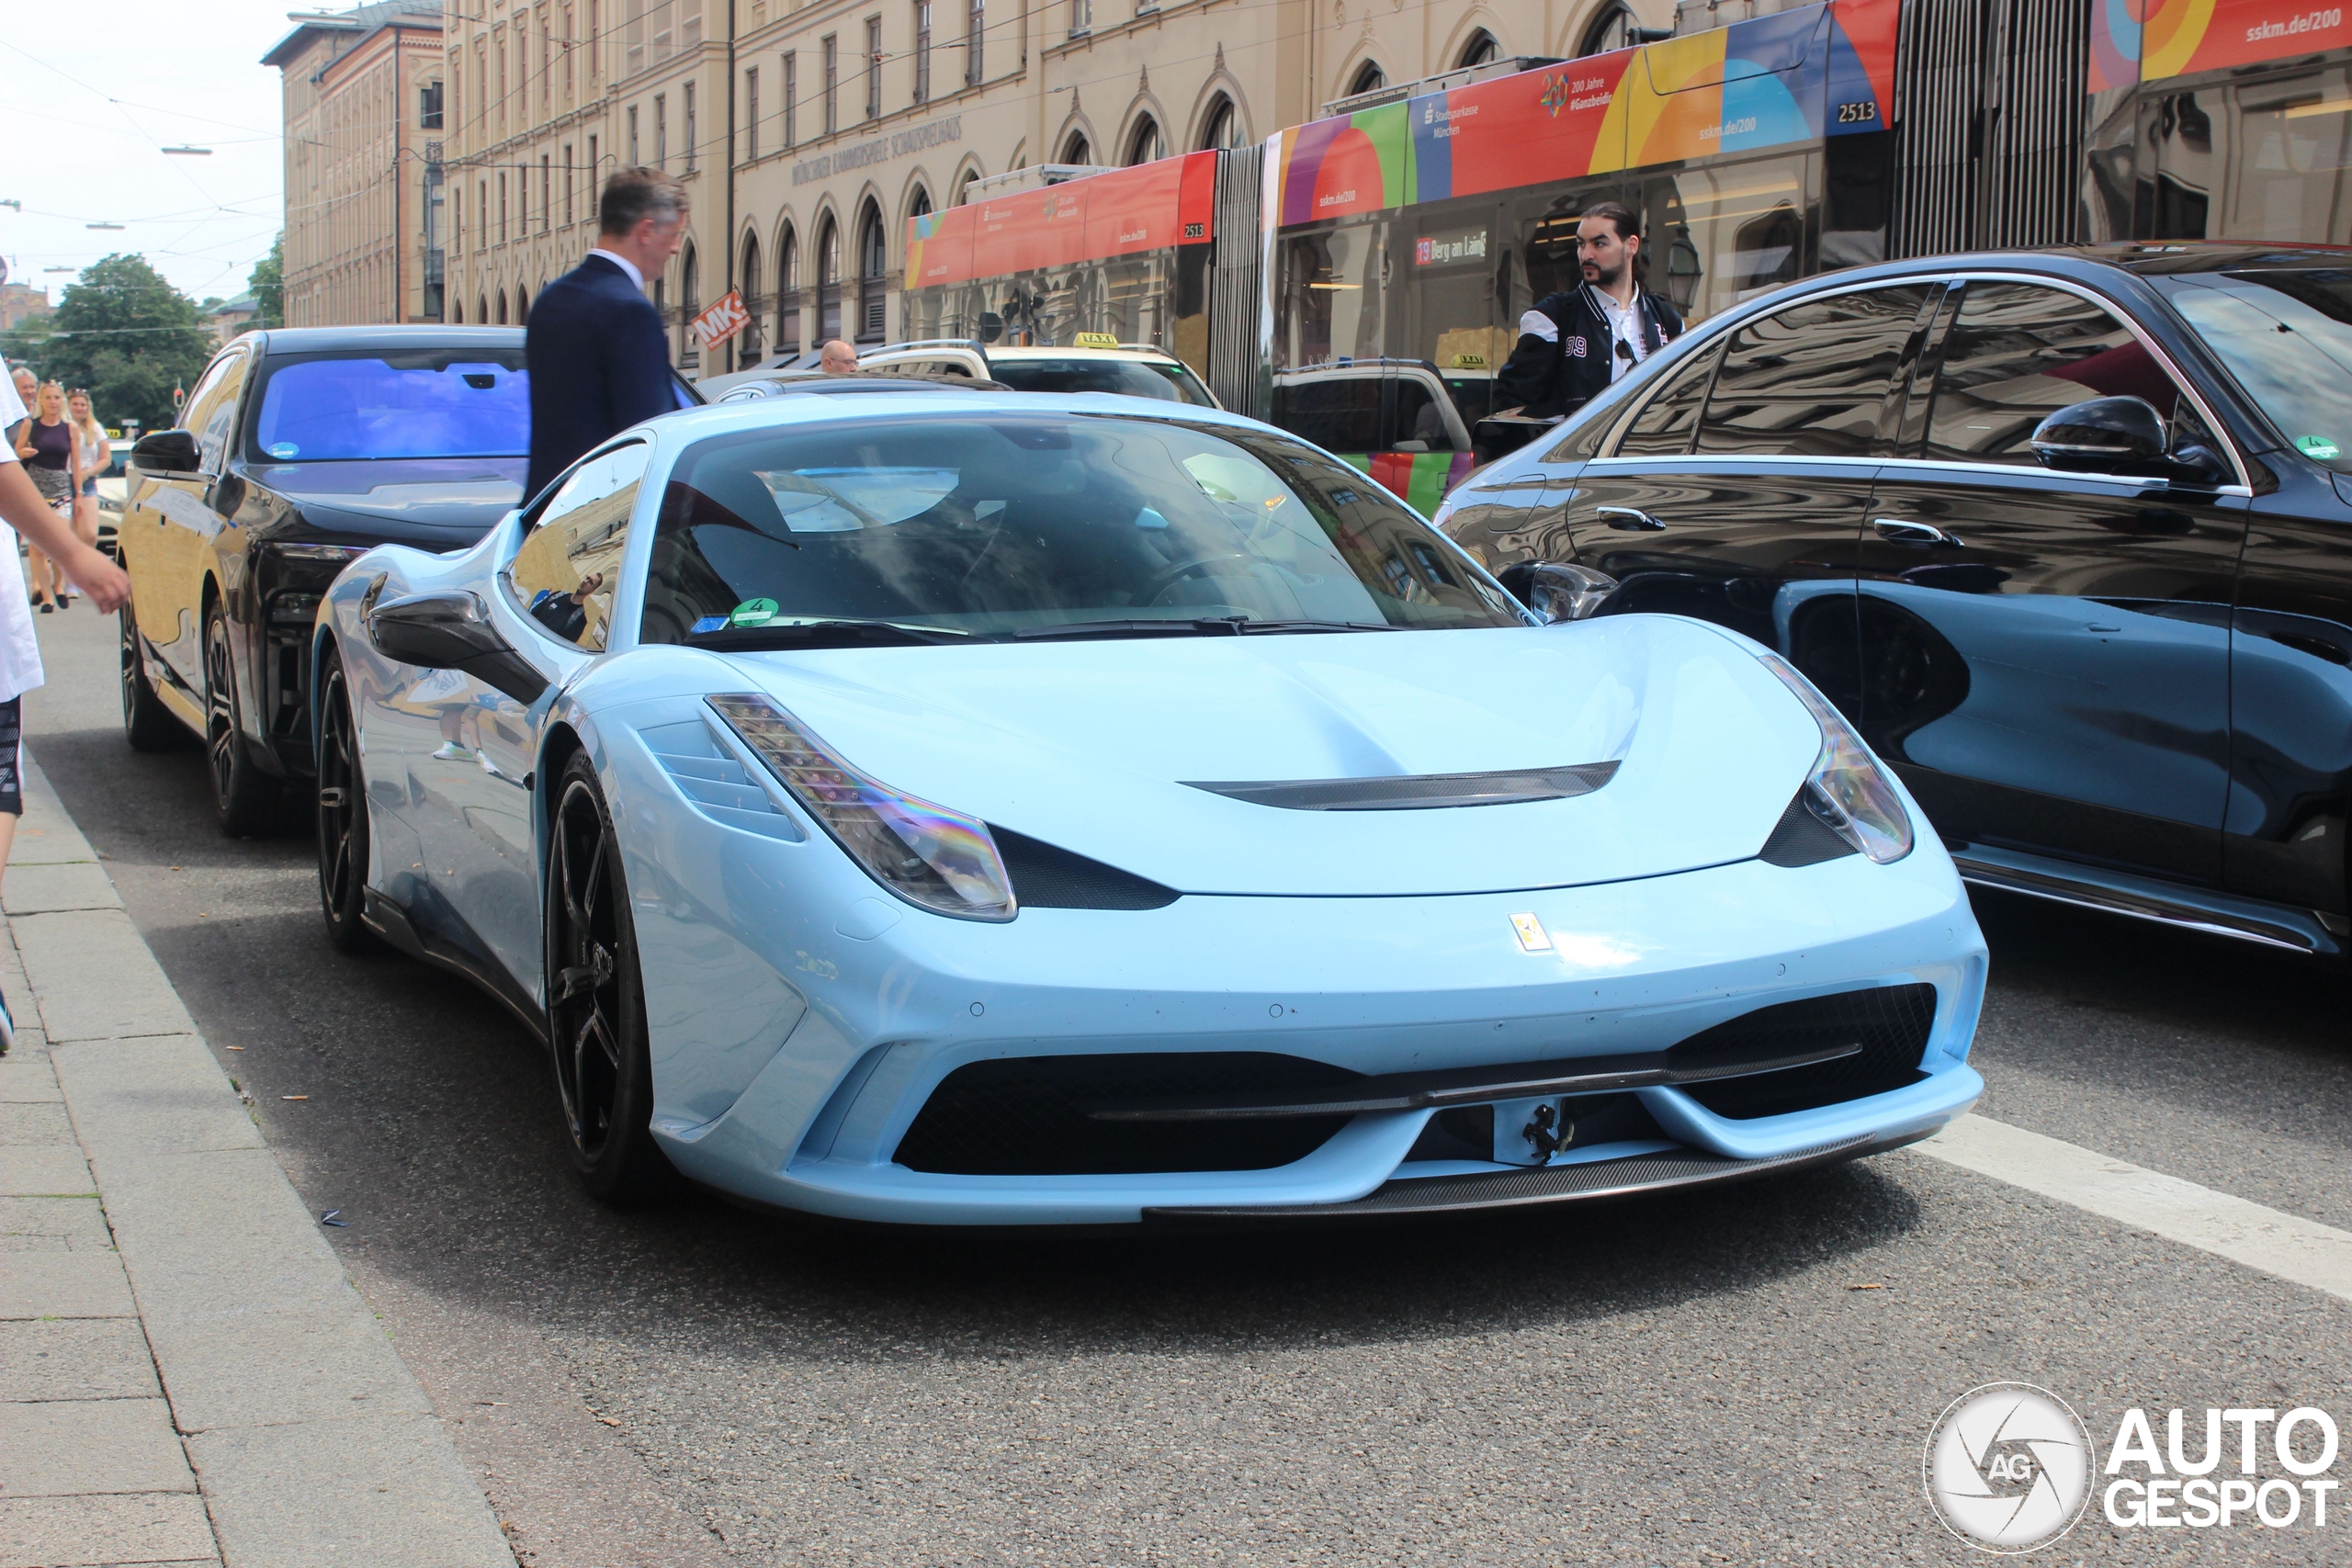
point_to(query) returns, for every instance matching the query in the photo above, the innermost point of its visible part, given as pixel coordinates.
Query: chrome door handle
(1631, 520)
(1922, 535)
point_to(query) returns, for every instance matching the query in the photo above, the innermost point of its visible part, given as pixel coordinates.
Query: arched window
(964, 186)
(1370, 78)
(920, 206)
(457, 312)
(1144, 145)
(873, 259)
(828, 282)
(689, 307)
(1482, 50)
(747, 342)
(1615, 27)
(522, 307)
(1077, 149)
(788, 291)
(482, 310)
(502, 307)
(1223, 130)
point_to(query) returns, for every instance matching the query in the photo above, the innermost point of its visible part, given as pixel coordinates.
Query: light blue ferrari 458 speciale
(961, 807)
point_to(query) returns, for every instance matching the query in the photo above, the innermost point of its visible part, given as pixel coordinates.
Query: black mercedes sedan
(2067, 533)
(299, 449)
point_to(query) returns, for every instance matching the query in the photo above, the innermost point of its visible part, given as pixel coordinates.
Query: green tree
(128, 337)
(267, 286)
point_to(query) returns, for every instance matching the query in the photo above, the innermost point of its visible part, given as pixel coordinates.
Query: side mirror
(452, 631)
(1558, 592)
(2124, 436)
(167, 451)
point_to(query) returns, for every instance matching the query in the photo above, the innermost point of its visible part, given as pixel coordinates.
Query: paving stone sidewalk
(186, 1376)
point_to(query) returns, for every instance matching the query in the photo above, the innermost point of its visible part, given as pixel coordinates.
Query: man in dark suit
(598, 354)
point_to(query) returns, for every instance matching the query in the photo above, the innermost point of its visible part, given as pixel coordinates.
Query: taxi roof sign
(1097, 340)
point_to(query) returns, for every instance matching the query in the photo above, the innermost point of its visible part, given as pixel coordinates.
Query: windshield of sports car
(325, 408)
(1010, 527)
(1128, 377)
(2287, 336)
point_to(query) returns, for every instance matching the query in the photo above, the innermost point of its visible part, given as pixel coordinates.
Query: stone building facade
(808, 131)
(362, 101)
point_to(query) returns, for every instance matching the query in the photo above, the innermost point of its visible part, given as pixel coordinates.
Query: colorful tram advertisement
(2220, 119)
(1359, 279)
(1412, 235)
(1125, 253)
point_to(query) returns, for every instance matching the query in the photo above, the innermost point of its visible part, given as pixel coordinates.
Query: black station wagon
(2067, 533)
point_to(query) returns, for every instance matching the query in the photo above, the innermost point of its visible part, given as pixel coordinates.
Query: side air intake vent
(721, 787)
(1047, 878)
(1889, 1022)
(1420, 792)
(1027, 1115)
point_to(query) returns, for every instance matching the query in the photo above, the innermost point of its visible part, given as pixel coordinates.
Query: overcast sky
(91, 89)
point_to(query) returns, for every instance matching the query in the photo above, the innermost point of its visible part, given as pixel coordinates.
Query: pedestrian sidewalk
(186, 1375)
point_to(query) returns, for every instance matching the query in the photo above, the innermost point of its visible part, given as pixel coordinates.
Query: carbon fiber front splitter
(1637, 1174)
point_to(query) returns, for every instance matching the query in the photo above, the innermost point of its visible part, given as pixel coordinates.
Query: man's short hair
(1619, 216)
(633, 195)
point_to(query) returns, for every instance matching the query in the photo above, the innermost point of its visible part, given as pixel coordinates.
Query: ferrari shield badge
(1533, 937)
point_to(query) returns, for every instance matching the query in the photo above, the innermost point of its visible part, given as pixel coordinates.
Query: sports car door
(553, 601)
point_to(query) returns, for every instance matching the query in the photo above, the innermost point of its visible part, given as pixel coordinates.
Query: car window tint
(565, 574)
(1665, 425)
(211, 409)
(2020, 352)
(1811, 380)
(1338, 414)
(1421, 417)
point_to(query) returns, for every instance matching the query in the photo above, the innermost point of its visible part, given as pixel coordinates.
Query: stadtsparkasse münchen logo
(2008, 1467)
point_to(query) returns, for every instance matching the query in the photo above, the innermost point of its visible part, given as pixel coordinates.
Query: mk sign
(725, 318)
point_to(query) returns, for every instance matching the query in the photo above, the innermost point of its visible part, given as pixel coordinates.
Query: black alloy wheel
(245, 799)
(595, 1000)
(342, 816)
(147, 724)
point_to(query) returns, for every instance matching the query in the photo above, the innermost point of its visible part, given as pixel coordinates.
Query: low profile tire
(147, 724)
(596, 1001)
(245, 799)
(342, 816)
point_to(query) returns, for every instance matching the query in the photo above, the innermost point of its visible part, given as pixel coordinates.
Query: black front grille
(1889, 1022)
(1027, 1115)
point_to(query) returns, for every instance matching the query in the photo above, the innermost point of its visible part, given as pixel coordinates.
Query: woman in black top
(51, 451)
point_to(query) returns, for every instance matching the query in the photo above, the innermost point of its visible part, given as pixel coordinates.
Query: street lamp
(101, 225)
(187, 152)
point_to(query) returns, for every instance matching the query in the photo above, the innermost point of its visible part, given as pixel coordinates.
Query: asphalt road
(1676, 1381)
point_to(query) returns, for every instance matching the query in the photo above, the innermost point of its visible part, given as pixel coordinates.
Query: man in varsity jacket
(1578, 341)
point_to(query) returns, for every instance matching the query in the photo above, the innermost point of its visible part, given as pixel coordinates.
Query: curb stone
(259, 1418)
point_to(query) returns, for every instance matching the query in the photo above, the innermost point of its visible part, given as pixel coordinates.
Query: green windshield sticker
(2318, 446)
(753, 612)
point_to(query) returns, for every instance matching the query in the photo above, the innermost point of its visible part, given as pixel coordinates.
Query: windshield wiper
(1249, 628)
(808, 634)
(1154, 626)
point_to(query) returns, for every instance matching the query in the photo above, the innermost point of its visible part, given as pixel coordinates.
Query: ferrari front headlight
(1847, 789)
(933, 858)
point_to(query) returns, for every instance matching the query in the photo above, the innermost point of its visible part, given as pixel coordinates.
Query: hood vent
(1420, 792)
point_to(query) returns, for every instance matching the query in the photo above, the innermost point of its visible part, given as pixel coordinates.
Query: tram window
(1338, 414)
(2019, 353)
(1664, 427)
(2293, 147)
(1811, 380)
(1713, 237)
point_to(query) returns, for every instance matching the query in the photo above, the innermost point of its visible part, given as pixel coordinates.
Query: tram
(1358, 279)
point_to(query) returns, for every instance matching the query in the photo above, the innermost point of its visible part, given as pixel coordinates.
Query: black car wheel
(147, 724)
(595, 1000)
(243, 797)
(342, 816)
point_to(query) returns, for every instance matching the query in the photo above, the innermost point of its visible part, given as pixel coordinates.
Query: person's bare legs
(8, 821)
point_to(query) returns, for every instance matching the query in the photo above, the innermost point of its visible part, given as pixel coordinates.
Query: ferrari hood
(1104, 748)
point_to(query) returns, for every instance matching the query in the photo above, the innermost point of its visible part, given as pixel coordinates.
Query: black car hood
(458, 495)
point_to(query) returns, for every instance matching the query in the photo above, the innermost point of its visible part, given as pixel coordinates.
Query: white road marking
(2271, 1240)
